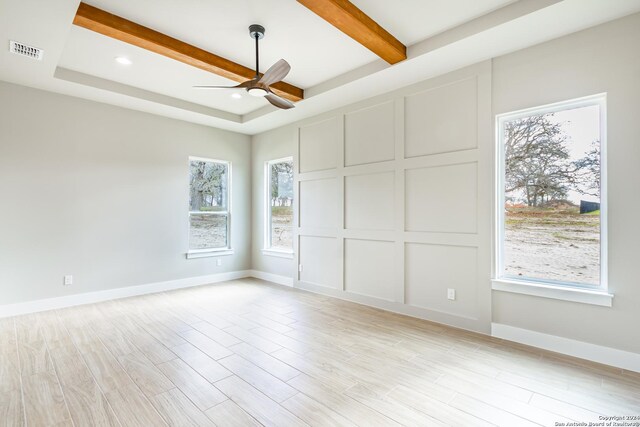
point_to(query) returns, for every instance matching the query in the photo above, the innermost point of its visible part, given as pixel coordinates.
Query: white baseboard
(596, 353)
(110, 294)
(472, 324)
(270, 277)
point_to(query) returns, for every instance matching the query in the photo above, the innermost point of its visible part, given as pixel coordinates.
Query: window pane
(281, 203)
(281, 235)
(208, 186)
(552, 196)
(208, 231)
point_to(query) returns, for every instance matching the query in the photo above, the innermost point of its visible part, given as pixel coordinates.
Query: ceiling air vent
(25, 50)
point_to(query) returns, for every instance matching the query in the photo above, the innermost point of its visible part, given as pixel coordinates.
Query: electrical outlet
(219, 262)
(68, 280)
(451, 294)
(300, 268)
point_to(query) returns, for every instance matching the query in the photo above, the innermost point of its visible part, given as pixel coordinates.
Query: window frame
(578, 292)
(208, 252)
(268, 248)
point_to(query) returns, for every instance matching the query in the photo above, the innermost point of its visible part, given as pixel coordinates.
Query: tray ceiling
(332, 68)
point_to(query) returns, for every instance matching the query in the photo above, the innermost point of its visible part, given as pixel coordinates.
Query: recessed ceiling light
(236, 96)
(123, 60)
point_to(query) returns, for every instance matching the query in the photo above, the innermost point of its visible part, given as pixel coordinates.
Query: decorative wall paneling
(394, 200)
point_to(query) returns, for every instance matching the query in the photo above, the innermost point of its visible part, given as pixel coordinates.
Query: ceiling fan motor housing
(256, 31)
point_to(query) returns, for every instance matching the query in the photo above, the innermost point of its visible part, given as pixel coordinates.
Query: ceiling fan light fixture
(257, 91)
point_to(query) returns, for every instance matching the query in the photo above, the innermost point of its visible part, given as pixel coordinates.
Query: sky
(582, 125)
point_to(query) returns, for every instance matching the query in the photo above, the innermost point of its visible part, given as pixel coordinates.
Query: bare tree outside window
(208, 204)
(552, 192)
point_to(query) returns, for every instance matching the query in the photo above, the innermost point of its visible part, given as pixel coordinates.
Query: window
(209, 205)
(279, 204)
(551, 206)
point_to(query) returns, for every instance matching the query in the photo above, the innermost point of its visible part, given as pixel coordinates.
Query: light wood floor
(247, 353)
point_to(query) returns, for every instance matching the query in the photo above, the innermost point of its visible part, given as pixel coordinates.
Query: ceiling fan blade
(277, 72)
(279, 102)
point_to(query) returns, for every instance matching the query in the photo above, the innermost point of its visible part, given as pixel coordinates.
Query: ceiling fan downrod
(257, 32)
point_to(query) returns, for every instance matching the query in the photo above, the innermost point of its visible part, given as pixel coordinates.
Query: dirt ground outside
(553, 244)
(282, 227)
(208, 231)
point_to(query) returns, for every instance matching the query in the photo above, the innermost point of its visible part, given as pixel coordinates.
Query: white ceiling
(411, 21)
(92, 53)
(316, 50)
(332, 68)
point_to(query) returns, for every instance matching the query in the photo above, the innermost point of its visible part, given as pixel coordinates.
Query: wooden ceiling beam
(113, 26)
(346, 17)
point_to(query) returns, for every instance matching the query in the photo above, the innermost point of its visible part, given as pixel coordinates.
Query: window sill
(585, 296)
(278, 253)
(209, 253)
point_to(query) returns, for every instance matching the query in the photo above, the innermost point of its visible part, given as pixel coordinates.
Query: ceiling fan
(259, 86)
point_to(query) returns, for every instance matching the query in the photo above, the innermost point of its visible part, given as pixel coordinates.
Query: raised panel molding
(368, 268)
(369, 201)
(318, 146)
(432, 269)
(442, 199)
(442, 119)
(319, 261)
(369, 134)
(318, 203)
(408, 178)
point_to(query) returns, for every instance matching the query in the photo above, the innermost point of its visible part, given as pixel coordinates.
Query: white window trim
(278, 253)
(575, 292)
(205, 253)
(566, 293)
(268, 249)
(213, 252)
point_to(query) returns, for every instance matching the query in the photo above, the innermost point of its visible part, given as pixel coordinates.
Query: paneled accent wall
(394, 200)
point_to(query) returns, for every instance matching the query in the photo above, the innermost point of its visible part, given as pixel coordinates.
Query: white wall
(602, 59)
(393, 199)
(101, 193)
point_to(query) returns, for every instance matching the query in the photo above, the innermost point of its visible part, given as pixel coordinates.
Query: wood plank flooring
(247, 353)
